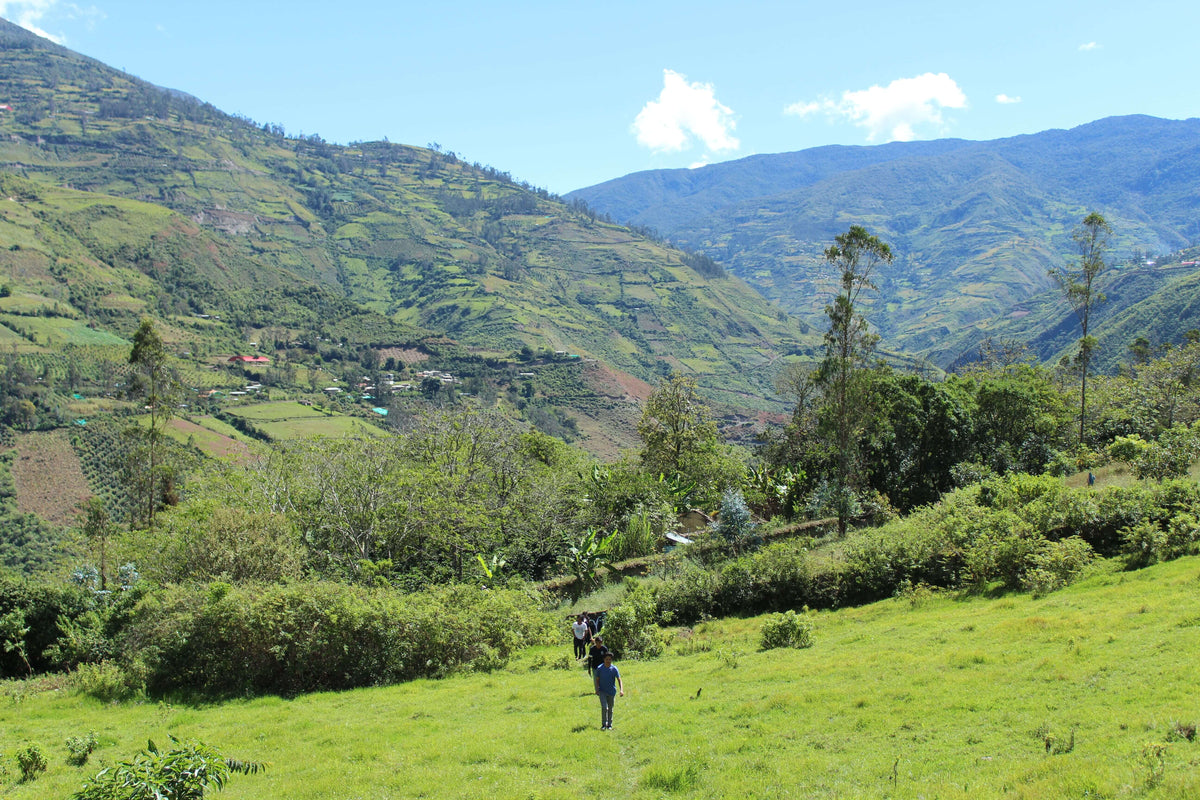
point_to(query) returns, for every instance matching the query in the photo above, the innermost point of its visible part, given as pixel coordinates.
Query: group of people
(606, 678)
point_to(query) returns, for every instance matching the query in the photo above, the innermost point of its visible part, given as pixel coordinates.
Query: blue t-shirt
(606, 679)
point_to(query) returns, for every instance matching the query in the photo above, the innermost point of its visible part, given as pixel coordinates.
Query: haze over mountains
(975, 226)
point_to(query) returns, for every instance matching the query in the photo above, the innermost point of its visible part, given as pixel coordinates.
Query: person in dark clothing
(596, 653)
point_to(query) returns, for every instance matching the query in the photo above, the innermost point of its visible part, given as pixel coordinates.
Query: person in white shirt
(581, 632)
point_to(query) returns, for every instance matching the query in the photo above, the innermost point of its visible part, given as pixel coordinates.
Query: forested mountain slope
(975, 225)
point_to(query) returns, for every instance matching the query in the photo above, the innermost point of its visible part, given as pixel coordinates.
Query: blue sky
(568, 94)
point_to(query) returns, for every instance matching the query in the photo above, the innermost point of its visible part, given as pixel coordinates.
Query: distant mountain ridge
(975, 225)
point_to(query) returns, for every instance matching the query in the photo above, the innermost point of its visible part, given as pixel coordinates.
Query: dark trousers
(580, 648)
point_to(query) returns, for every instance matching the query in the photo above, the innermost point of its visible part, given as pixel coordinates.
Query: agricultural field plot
(335, 427)
(59, 331)
(10, 341)
(291, 420)
(26, 303)
(277, 412)
(208, 441)
(1087, 692)
(48, 478)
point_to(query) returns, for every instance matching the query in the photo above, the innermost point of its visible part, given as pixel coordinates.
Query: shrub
(629, 629)
(784, 570)
(182, 773)
(1183, 536)
(107, 681)
(1143, 544)
(787, 630)
(687, 595)
(31, 761)
(44, 608)
(1057, 564)
(735, 526)
(1170, 456)
(80, 747)
(1126, 448)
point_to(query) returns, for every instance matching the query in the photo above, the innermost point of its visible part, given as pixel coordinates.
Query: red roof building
(249, 360)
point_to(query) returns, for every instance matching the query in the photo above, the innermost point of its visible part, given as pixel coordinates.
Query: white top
(580, 628)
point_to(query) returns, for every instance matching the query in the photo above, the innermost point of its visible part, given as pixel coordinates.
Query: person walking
(581, 632)
(608, 687)
(596, 654)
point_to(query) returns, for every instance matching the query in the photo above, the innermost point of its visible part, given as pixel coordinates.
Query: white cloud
(28, 13)
(1089, 46)
(1004, 99)
(682, 111)
(892, 112)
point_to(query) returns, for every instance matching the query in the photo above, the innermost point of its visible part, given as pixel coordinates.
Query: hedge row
(1019, 532)
(289, 638)
(302, 637)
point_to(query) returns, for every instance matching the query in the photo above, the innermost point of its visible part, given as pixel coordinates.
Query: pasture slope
(1088, 692)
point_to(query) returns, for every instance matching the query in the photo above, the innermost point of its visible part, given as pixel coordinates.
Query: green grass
(60, 331)
(944, 698)
(273, 412)
(291, 420)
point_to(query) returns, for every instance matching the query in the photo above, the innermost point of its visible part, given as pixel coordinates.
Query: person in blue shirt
(608, 687)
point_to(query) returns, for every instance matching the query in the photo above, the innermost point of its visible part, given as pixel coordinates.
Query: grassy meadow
(1087, 692)
(291, 420)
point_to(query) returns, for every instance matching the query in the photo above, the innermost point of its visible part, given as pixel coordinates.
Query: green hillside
(198, 213)
(1159, 302)
(1087, 692)
(975, 226)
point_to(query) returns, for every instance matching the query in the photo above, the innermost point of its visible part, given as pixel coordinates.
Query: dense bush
(788, 629)
(301, 637)
(44, 609)
(629, 629)
(204, 541)
(1057, 564)
(1019, 532)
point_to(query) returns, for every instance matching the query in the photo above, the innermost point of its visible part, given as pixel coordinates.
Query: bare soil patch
(48, 478)
(612, 383)
(403, 355)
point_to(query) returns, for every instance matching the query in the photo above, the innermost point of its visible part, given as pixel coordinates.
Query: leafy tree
(155, 383)
(1150, 395)
(676, 427)
(1020, 419)
(680, 440)
(1079, 287)
(1170, 456)
(848, 347)
(97, 528)
(921, 430)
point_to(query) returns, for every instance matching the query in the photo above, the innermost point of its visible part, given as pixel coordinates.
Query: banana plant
(589, 555)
